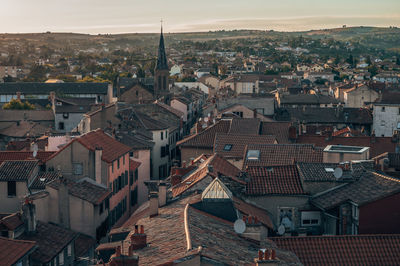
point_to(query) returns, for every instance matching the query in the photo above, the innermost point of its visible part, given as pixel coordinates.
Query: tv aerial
(239, 226)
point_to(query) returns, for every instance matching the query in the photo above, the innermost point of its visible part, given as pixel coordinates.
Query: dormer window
(228, 147)
(253, 155)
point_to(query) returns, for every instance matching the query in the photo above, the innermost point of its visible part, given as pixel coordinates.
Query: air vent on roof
(329, 170)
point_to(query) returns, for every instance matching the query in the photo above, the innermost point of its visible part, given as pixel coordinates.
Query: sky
(126, 16)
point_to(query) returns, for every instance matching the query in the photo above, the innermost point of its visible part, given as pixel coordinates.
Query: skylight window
(253, 155)
(329, 170)
(228, 147)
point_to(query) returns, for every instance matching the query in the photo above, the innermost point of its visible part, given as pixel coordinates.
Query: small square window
(118, 163)
(228, 147)
(78, 168)
(383, 109)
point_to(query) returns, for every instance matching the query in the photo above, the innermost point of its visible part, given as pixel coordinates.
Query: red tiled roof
(17, 170)
(278, 129)
(133, 165)
(238, 142)
(12, 250)
(274, 180)
(284, 154)
(12, 221)
(378, 145)
(112, 149)
(42, 156)
(344, 250)
(206, 137)
(220, 166)
(250, 126)
(83, 244)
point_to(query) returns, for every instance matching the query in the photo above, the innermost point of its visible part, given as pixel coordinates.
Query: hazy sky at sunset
(118, 16)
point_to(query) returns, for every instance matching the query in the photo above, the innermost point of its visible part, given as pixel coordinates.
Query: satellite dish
(239, 226)
(35, 150)
(281, 229)
(338, 172)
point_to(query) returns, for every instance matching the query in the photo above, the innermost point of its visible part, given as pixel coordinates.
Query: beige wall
(271, 203)
(12, 204)
(143, 156)
(357, 97)
(338, 157)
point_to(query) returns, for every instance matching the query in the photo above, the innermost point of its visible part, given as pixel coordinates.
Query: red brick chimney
(266, 257)
(119, 260)
(138, 239)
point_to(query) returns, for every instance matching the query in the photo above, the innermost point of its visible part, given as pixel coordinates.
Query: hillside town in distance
(221, 148)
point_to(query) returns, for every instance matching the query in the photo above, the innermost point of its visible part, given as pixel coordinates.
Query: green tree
(16, 104)
(373, 70)
(36, 74)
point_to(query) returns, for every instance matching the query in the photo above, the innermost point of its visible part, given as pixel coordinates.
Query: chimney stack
(162, 194)
(118, 259)
(138, 239)
(153, 204)
(29, 216)
(266, 257)
(63, 203)
(98, 153)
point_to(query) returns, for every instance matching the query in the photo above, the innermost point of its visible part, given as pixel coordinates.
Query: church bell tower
(161, 71)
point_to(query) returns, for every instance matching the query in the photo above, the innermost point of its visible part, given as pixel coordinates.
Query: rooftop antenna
(338, 172)
(239, 226)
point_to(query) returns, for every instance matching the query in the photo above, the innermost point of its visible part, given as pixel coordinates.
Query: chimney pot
(142, 229)
(260, 254)
(273, 254)
(266, 254)
(250, 220)
(118, 251)
(136, 229)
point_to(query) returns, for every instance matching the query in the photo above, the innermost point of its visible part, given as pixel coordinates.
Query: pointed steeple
(162, 57)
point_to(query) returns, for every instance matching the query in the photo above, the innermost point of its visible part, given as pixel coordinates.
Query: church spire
(162, 57)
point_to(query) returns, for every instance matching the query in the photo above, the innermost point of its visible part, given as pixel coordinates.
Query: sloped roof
(370, 187)
(112, 149)
(50, 240)
(278, 129)
(219, 166)
(283, 154)
(30, 115)
(46, 88)
(378, 145)
(24, 155)
(307, 99)
(17, 170)
(325, 115)
(368, 250)
(249, 126)
(317, 171)
(12, 221)
(274, 180)
(83, 189)
(206, 137)
(238, 142)
(13, 250)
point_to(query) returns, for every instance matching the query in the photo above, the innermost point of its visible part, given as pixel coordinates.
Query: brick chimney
(29, 216)
(118, 259)
(63, 203)
(292, 133)
(138, 239)
(266, 257)
(162, 194)
(254, 228)
(153, 204)
(98, 153)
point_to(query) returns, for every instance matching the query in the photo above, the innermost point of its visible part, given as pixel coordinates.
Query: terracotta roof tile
(250, 126)
(368, 250)
(24, 155)
(206, 137)
(17, 170)
(274, 180)
(283, 154)
(378, 145)
(278, 129)
(50, 240)
(13, 250)
(219, 165)
(370, 187)
(83, 244)
(83, 189)
(112, 149)
(233, 145)
(47, 176)
(318, 172)
(12, 221)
